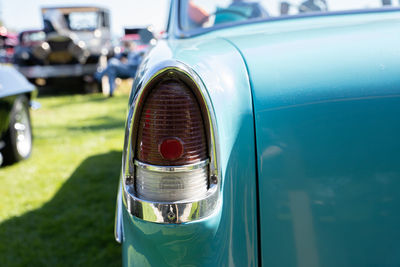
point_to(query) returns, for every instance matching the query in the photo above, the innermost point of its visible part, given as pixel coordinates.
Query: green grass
(57, 208)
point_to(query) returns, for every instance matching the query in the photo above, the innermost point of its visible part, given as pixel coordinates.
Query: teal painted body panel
(327, 107)
(229, 236)
(317, 99)
(329, 184)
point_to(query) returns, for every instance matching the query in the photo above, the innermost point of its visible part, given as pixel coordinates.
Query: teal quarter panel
(327, 107)
(229, 236)
(329, 184)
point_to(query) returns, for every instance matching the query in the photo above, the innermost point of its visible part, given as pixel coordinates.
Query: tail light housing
(170, 166)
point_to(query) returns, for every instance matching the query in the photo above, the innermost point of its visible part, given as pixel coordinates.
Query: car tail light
(171, 170)
(171, 127)
(171, 133)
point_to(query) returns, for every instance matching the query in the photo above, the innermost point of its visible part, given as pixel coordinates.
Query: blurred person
(255, 8)
(122, 66)
(284, 8)
(197, 15)
(386, 2)
(313, 6)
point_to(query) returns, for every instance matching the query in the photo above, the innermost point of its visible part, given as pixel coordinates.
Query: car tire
(18, 137)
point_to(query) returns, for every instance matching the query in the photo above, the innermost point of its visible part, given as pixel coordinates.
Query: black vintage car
(27, 41)
(15, 122)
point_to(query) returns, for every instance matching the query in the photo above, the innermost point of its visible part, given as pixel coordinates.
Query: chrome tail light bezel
(178, 211)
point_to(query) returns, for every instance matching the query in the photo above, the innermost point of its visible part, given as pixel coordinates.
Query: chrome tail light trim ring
(183, 168)
(178, 211)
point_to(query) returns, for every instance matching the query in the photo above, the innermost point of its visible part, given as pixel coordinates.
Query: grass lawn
(57, 208)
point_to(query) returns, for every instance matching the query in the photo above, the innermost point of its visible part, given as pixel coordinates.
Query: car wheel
(19, 134)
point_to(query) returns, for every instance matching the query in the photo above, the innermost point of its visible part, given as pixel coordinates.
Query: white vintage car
(77, 40)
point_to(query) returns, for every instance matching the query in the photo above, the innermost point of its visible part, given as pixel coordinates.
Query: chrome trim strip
(118, 226)
(179, 211)
(183, 168)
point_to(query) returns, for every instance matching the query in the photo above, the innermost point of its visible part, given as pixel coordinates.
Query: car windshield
(209, 13)
(83, 21)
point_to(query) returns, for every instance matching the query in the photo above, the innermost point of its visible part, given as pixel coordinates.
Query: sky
(25, 14)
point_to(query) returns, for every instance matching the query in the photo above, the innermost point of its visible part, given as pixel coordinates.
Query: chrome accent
(51, 71)
(178, 211)
(118, 226)
(23, 130)
(183, 168)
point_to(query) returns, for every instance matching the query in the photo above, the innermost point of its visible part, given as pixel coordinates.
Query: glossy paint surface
(327, 106)
(229, 236)
(12, 82)
(329, 184)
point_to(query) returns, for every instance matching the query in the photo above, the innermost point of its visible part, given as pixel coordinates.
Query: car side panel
(327, 107)
(330, 181)
(229, 236)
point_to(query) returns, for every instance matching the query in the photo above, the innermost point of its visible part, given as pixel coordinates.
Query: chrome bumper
(57, 71)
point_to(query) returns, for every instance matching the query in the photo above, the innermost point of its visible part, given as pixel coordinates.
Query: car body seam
(259, 255)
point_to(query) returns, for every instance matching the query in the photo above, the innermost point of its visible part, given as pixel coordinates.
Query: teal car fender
(327, 104)
(306, 121)
(229, 235)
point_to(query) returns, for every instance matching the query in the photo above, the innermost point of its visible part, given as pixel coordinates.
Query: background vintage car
(142, 37)
(15, 123)
(27, 41)
(8, 41)
(77, 39)
(299, 120)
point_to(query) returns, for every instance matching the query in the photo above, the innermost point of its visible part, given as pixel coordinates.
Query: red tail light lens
(171, 127)
(171, 149)
(171, 145)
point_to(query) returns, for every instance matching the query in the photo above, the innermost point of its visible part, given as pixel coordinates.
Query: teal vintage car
(265, 133)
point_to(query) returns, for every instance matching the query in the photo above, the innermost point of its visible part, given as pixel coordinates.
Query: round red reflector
(171, 148)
